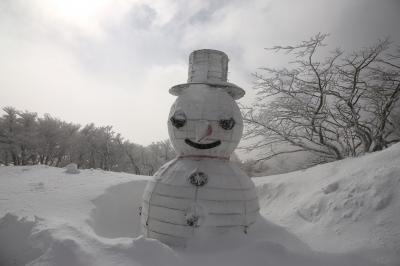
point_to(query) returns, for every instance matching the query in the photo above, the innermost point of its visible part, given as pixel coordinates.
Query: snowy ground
(343, 213)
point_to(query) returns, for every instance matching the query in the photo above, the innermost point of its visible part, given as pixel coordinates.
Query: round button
(198, 179)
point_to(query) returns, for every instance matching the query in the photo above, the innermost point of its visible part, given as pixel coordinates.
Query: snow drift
(346, 206)
(342, 213)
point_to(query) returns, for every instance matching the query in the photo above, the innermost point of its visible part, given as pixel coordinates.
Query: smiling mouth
(202, 146)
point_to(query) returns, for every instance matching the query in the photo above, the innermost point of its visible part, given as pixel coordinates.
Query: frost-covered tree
(331, 106)
(27, 139)
(8, 135)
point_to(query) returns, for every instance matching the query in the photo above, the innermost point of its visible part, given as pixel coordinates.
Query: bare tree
(331, 107)
(367, 91)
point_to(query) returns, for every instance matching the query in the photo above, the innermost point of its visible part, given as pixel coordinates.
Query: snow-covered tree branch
(332, 106)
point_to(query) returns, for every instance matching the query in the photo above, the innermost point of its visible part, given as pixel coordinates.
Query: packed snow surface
(342, 213)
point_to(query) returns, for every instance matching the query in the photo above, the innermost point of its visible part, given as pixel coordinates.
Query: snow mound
(345, 206)
(72, 168)
(66, 245)
(16, 246)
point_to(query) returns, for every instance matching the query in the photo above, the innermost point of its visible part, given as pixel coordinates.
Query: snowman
(201, 191)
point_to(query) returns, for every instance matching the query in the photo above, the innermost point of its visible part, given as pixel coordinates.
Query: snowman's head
(205, 121)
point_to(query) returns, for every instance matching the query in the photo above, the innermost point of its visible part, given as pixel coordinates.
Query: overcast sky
(112, 62)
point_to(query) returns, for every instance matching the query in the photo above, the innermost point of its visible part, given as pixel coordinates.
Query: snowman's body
(226, 202)
(201, 190)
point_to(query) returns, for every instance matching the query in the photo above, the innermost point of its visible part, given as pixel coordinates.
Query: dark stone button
(192, 220)
(198, 179)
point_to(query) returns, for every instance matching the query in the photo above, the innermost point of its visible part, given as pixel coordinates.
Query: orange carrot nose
(206, 133)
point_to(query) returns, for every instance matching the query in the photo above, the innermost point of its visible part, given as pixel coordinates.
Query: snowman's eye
(178, 120)
(227, 124)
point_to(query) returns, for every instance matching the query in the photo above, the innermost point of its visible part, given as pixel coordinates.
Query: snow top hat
(209, 67)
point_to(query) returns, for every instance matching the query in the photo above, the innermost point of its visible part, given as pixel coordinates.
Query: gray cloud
(115, 67)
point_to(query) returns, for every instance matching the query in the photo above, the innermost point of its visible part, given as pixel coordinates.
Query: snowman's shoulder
(164, 168)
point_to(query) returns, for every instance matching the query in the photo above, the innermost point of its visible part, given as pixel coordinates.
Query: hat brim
(233, 90)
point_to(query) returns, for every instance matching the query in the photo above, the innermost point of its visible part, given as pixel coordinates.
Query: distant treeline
(27, 139)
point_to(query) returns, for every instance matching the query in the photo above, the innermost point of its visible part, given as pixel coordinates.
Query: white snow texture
(341, 213)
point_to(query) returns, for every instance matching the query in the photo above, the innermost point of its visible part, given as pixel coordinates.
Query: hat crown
(208, 66)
